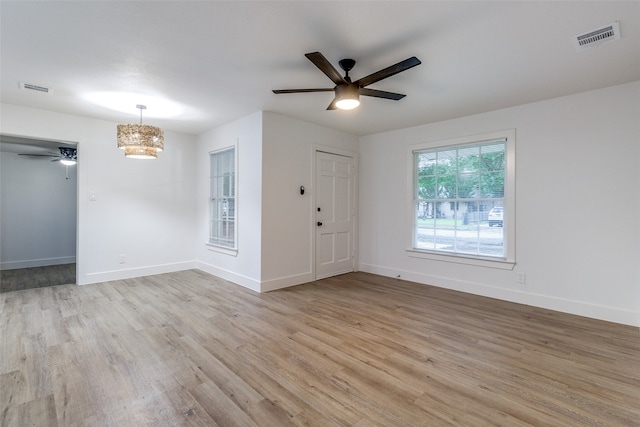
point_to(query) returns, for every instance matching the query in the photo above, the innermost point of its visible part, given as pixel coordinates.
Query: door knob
(319, 224)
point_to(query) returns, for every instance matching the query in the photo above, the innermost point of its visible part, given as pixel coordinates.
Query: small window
(463, 199)
(223, 210)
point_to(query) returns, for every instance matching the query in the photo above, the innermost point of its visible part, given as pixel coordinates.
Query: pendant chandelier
(140, 141)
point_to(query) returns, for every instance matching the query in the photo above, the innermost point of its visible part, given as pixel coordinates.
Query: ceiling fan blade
(381, 94)
(278, 91)
(388, 72)
(332, 106)
(325, 66)
(38, 155)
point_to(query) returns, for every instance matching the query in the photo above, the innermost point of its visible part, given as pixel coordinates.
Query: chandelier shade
(140, 141)
(139, 152)
(140, 136)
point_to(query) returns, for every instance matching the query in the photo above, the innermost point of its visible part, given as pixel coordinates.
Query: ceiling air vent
(597, 37)
(35, 88)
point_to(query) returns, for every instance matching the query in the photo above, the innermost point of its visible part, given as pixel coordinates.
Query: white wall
(288, 226)
(143, 209)
(577, 204)
(244, 267)
(275, 223)
(37, 212)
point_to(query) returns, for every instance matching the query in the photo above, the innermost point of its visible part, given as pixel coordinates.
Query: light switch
(92, 196)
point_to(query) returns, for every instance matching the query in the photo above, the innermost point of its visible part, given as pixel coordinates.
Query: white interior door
(335, 213)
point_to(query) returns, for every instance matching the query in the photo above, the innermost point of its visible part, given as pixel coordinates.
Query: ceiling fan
(347, 93)
(67, 156)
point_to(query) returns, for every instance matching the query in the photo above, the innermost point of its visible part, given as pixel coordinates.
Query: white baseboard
(107, 276)
(594, 311)
(245, 281)
(30, 263)
(285, 282)
(256, 285)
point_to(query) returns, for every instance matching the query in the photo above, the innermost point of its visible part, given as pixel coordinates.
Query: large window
(463, 197)
(223, 212)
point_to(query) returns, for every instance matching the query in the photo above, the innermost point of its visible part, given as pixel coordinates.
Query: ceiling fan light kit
(347, 97)
(68, 156)
(140, 141)
(347, 93)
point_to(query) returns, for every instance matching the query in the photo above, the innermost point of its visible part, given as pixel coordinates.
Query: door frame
(315, 148)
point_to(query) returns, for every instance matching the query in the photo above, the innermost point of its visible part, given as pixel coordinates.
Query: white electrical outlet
(123, 258)
(521, 277)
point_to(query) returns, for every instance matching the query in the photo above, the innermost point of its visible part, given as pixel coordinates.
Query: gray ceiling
(197, 65)
(19, 145)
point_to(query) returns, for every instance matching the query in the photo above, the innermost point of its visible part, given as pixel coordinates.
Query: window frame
(507, 261)
(214, 246)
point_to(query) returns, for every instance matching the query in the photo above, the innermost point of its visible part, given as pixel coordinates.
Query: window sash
(223, 212)
(454, 188)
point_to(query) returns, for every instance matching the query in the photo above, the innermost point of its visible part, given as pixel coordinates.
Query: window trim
(233, 251)
(507, 262)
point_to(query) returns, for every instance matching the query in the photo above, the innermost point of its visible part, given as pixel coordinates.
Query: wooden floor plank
(188, 348)
(30, 413)
(220, 407)
(37, 277)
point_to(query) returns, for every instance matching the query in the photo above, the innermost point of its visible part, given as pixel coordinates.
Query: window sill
(499, 263)
(222, 249)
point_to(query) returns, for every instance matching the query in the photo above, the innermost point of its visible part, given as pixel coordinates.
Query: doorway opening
(38, 213)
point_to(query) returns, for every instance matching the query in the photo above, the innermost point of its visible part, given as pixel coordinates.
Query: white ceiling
(197, 65)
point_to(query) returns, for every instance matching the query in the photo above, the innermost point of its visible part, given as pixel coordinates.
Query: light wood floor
(355, 350)
(37, 277)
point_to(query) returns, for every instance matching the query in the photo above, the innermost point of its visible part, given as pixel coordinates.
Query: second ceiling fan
(347, 93)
